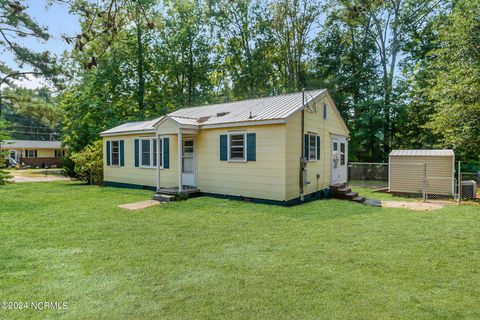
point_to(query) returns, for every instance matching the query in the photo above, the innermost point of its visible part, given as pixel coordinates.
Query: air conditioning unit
(469, 189)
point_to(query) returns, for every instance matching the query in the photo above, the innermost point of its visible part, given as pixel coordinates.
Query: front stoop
(172, 194)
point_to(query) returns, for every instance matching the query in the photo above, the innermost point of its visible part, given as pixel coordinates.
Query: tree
(4, 175)
(16, 24)
(89, 163)
(292, 22)
(245, 47)
(456, 79)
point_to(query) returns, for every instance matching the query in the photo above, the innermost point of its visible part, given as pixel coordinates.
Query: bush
(4, 176)
(89, 163)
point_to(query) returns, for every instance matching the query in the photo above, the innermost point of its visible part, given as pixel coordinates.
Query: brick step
(344, 191)
(163, 197)
(359, 199)
(337, 186)
(350, 195)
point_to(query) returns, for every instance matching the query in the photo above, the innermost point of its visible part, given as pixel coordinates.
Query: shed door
(339, 159)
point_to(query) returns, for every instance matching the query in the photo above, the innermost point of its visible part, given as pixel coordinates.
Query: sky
(58, 21)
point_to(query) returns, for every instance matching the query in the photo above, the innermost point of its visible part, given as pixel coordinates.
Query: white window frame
(344, 153)
(236, 133)
(153, 141)
(111, 153)
(27, 153)
(58, 153)
(309, 158)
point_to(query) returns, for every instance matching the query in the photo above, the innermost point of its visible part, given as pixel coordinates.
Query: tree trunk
(140, 73)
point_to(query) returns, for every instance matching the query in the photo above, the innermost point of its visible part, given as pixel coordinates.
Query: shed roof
(31, 144)
(423, 153)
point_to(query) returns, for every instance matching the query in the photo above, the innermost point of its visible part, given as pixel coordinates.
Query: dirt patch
(413, 205)
(20, 179)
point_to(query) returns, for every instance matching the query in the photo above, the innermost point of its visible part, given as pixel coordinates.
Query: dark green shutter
(122, 153)
(108, 153)
(305, 147)
(166, 153)
(223, 147)
(318, 147)
(35, 153)
(137, 155)
(251, 147)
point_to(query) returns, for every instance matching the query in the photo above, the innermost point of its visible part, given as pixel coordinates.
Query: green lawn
(208, 258)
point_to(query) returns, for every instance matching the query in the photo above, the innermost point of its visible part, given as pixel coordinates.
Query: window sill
(236, 161)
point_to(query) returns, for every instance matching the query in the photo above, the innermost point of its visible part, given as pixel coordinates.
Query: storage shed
(421, 171)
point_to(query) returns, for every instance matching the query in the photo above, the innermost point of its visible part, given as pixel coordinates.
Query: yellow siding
(263, 178)
(137, 175)
(41, 153)
(168, 126)
(314, 123)
(407, 174)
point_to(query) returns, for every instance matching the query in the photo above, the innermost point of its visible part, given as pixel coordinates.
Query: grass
(208, 258)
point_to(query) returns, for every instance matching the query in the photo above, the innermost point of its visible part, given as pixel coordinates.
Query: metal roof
(139, 126)
(251, 110)
(31, 144)
(423, 153)
(267, 108)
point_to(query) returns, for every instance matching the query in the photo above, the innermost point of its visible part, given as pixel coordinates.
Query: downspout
(302, 152)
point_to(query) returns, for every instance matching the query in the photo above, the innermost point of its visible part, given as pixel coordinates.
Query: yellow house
(282, 149)
(35, 153)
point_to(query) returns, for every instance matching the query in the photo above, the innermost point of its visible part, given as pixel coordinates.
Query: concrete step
(359, 199)
(163, 197)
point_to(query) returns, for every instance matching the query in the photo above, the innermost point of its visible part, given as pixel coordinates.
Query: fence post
(459, 179)
(425, 191)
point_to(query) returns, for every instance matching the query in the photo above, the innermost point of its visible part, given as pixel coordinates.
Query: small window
(312, 146)
(342, 154)
(335, 155)
(115, 153)
(154, 155)
(160, 148)
(58, 153)
(145, 153)
(237, 146)
(325, 111)
(30, 153)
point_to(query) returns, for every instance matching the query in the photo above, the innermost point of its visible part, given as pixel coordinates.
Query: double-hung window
(115, 153)
(237, 149)
(58, 153)
(342, 154)
(30, 153)
(312, 147)
(148, 153)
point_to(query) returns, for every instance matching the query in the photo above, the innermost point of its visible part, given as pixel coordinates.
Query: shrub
(89, 163)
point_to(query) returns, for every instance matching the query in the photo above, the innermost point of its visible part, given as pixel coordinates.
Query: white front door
(188, 163)
(339, 159)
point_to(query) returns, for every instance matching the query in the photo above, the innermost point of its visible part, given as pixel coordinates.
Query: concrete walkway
(139, 205)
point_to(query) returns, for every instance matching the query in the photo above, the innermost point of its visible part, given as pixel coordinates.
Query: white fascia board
(123, 133)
